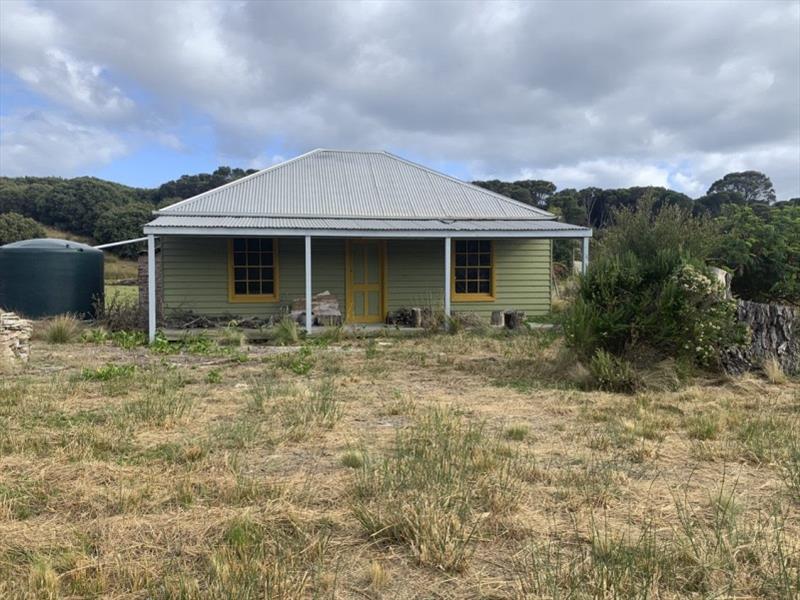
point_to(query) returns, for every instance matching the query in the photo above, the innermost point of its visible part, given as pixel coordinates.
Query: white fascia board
(358, 233)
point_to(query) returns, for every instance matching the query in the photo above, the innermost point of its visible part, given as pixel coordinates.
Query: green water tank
(45, 277)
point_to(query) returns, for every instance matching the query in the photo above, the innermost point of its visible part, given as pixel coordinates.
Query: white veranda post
(585, 256)
(447, 275)
(309, 316)
(151, 287)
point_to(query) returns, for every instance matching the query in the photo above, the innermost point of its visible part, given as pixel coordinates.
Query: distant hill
(98, 210)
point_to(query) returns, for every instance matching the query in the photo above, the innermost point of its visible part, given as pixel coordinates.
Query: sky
(599, 93)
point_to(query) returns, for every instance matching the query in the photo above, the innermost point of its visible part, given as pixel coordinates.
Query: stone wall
(15, 335)
(774, 331)
(142, 279)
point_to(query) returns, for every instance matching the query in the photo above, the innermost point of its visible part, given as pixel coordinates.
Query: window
(473, 270)
(252, 270)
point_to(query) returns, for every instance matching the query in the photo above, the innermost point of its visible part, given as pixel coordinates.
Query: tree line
(757, 238)
(101, 210)
(759, 241)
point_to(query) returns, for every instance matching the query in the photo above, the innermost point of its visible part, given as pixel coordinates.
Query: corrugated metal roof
(540, 225)
(351, 184)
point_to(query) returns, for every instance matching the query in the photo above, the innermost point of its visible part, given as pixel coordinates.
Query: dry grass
(451, 466)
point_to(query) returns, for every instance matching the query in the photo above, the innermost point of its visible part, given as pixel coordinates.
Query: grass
(471, 464)
(61, 329)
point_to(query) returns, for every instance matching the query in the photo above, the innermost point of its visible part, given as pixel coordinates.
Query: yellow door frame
(382, 288)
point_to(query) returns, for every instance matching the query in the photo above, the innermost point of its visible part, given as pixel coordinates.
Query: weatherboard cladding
(336, 184)
(361, 224)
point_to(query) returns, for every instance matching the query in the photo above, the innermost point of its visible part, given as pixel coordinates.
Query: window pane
(472, 246)
(484, 274)
(266, 259)
(472, 287)
(472, 273)
(253, 244)
(461, 274)
(486, 260)
(253, 274)
(239, 274)
(253, 287)
(461, 260)
(472, 259)
(239, 244)
(485, 246)
(461, 287)
(239, 258)
(485, 287)
(240, 287)
(267, 287)
(253, 259)
(266, 274)
(461, 245)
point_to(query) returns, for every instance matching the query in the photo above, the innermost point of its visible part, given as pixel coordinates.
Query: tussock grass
(62, 329)
(517, 432)
(774, 372)
(286, 332)
(431, 491)
(161, 399)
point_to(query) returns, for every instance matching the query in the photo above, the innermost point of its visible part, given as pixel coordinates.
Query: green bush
(14, 227)
(613, 374)
(648, 287)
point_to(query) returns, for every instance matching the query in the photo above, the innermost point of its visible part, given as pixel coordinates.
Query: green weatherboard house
(376, 230)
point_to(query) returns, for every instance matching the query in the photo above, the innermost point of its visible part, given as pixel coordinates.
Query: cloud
(30, 49)
(613, 93)
(40, 143)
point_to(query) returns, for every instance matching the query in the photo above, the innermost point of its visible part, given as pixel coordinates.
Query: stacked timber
(324, 309)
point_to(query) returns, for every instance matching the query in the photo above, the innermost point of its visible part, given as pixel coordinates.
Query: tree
(123, 223)
(753, 186)
(15, 227)
(713, 204)
(761, 245)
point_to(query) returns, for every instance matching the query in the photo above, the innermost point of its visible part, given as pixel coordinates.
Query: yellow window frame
(474, 296)
(254, 298)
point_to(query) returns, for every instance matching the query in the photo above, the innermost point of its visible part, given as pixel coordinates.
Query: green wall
(196, 275)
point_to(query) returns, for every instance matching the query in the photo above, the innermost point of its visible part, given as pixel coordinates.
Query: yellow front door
(365, 273)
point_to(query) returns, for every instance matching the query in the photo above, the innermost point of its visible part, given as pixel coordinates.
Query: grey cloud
(608, 92)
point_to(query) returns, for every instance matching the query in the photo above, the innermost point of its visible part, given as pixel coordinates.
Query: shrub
(613, 374)
(62, 329)
(118, 313)
(649, 287)
(14, 228)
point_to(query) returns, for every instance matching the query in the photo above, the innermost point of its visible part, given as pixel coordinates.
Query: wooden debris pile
(324, 309)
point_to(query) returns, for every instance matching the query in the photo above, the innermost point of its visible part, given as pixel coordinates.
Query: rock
(15, 335)
(774, 331)
(724, 279)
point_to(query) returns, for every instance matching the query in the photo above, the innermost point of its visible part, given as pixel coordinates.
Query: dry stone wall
(15, 336)
(774, 332)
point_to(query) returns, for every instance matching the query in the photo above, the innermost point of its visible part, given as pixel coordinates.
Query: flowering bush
(649, 288)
